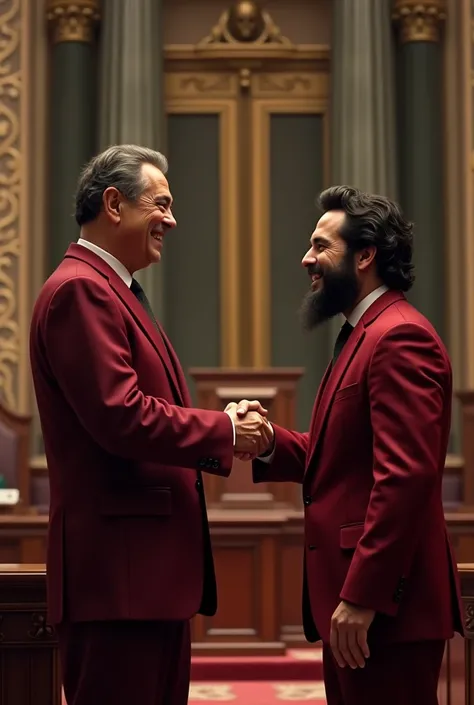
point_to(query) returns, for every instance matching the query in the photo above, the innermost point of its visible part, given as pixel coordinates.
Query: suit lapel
(150, 330)
(332, 380)
(334, 375)
(181, 380)
(138, 312)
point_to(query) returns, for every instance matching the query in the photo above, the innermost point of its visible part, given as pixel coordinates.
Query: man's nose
(308, 259)
(170, 221)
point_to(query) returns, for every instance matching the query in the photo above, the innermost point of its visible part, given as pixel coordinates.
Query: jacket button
(216, 464)
(307, 501)
(198, 485)
(202, 463)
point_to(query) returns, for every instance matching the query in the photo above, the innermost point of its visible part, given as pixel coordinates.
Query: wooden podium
(258, 551)
(276, 389)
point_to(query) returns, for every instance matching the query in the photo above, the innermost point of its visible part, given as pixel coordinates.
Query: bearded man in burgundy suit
(129, 558)
(380, 581)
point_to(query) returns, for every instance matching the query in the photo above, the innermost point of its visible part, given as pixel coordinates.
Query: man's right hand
(253, 433)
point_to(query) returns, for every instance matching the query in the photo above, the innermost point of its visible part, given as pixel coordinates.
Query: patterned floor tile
(208, 691)
(299, 691)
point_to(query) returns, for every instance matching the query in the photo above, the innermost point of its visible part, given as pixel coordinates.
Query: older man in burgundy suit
(129, 557)
(380, 583)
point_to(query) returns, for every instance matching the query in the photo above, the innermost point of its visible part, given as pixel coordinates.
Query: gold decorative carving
(201, 84)
(468, 617)
(302, 84)
(11, 79)
(419, 21)
(73, 21)
(245, 23)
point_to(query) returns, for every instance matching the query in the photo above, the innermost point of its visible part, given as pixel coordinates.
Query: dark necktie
(137, 290)
(140, 295)
(342, 339)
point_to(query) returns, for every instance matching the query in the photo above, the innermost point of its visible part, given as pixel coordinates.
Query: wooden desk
(29, 663)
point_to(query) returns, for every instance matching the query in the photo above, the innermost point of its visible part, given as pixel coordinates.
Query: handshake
(253, 432)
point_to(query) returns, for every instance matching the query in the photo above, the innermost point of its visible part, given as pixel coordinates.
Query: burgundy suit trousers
(125, 663)
(395, 674)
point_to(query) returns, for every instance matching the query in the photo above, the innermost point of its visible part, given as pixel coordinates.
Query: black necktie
(140, 295)
(342, 339)
(137, 290)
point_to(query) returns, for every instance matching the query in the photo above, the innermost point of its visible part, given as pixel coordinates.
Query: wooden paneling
(29, 663)
(247, 558)
(291, 580)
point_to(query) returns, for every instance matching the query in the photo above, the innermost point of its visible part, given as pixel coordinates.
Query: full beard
(338, 292)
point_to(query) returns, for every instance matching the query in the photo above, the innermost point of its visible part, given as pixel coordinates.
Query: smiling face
(141, 225)
(335, 286)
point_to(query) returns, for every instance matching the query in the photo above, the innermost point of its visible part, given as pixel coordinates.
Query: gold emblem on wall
(73, 21)
(245, 23)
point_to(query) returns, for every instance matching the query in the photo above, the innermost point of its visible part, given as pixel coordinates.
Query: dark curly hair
(375, 221)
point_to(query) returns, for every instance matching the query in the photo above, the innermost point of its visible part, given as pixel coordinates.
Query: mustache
(315, 269)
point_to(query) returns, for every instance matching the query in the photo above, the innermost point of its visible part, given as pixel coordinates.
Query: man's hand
(348, 639)
(253, 433)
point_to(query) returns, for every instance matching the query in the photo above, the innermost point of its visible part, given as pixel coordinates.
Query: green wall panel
(296, 178)
(191, 252)
(73, 109)
(421, 172)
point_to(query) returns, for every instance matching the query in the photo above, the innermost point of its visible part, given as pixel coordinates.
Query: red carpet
(296, 665)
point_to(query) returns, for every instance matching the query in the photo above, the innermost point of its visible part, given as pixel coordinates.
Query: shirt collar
(112, 261)
(365, 304)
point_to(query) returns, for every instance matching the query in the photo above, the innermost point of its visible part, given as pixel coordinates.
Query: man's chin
(314, 312)
(154, 256)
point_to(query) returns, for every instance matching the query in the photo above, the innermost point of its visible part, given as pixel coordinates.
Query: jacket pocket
(350, 535)
(349, 391)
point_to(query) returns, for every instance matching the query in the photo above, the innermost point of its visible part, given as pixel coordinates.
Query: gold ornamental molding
(14, 273)
(245, 38)
(73, 21)
(419, 21)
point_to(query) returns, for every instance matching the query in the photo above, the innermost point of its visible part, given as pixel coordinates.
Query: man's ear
(112, 201)
(365, 257)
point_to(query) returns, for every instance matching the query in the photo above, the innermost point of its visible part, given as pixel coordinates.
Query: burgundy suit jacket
(128, 533)
(371, 468)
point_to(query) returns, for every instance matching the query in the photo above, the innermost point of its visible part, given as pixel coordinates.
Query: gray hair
(118, 166)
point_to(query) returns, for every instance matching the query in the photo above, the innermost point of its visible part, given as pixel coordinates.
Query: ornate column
(131, 106)
(363, 103)
(363, 134)
(420, 110)
(73, 111)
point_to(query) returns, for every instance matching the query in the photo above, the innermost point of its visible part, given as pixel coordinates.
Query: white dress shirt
(365, 304)
(112, 261)
(353, 319)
